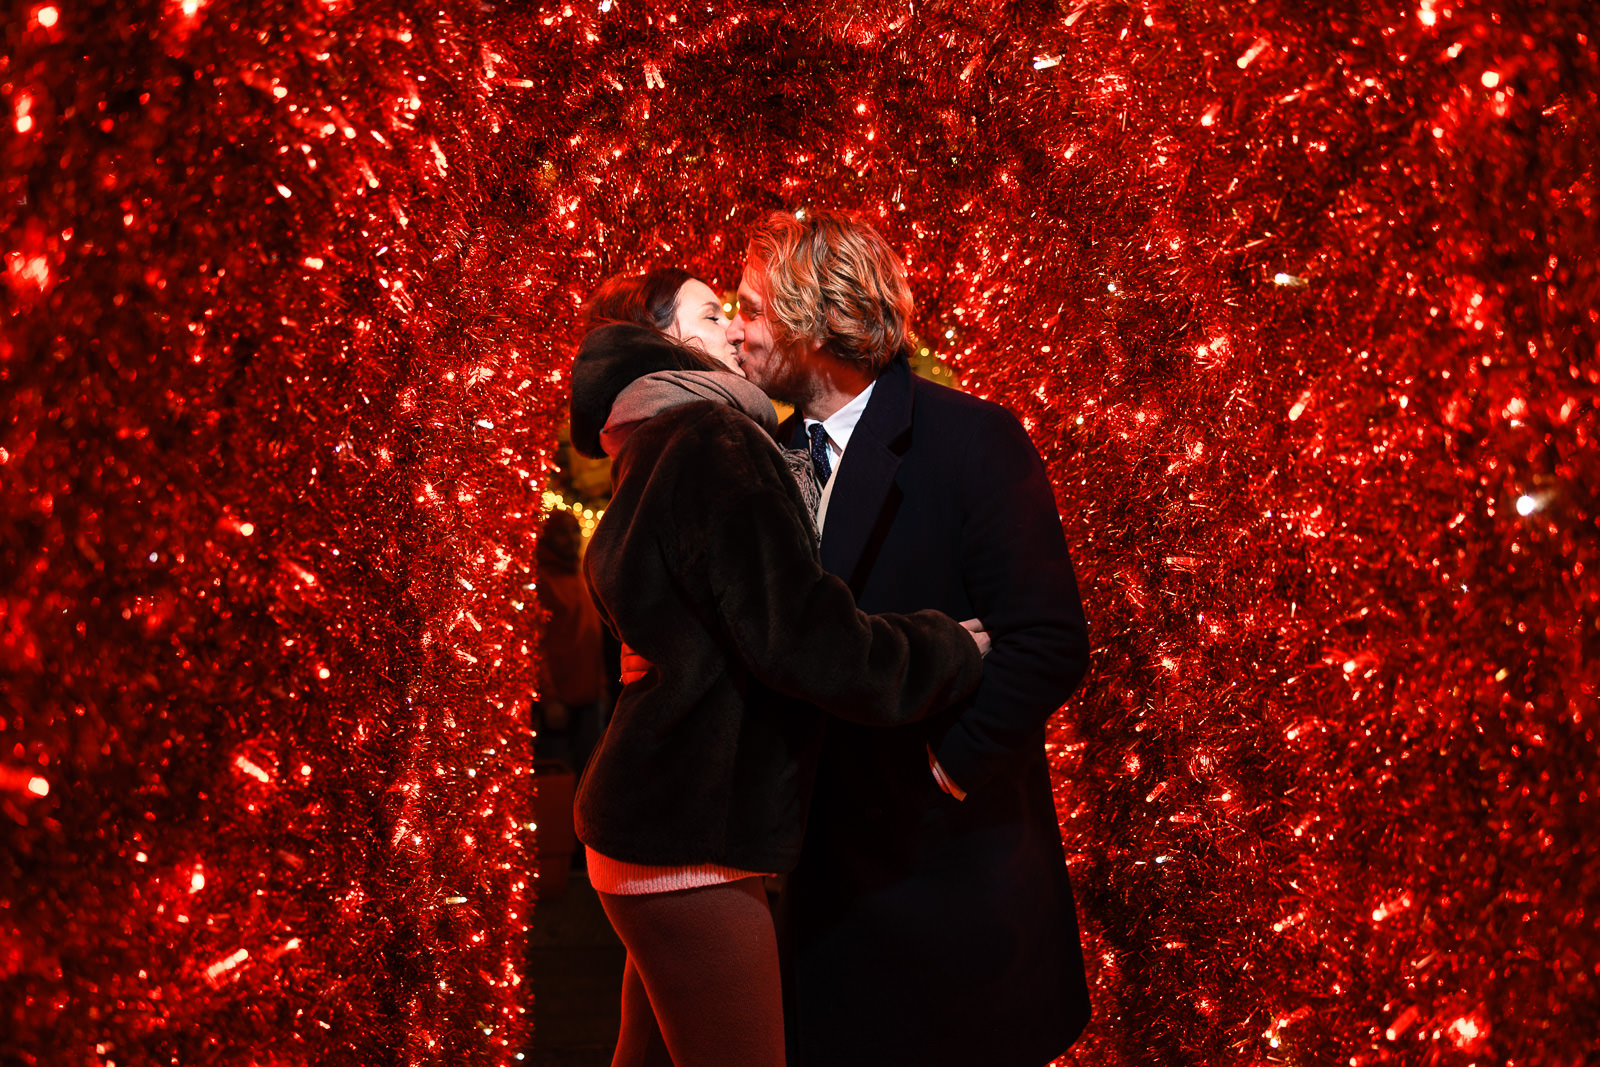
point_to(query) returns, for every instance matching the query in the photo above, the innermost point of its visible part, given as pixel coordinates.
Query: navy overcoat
(918, 929)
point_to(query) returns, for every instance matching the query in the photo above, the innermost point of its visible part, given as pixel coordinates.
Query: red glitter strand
(267, 546)
(1299, 305)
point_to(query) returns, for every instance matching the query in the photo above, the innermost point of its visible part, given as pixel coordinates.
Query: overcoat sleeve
(795, 626)
(1019, 579)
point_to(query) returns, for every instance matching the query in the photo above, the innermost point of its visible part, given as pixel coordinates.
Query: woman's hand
(979, 635)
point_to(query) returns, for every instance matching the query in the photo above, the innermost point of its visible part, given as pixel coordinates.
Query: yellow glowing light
(1490, 79)
(247, 528)
(48, 16)
(38, 786)
(24, 123)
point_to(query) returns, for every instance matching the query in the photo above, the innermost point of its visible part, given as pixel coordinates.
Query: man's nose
(736, 329)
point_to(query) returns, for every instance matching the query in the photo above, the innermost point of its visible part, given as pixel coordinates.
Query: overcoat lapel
(864, 494)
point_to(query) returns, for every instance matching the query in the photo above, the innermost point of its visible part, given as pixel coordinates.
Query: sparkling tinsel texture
(265, 544)
(1298, 303)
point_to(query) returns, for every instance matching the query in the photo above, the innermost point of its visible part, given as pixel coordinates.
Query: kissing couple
(800, 699)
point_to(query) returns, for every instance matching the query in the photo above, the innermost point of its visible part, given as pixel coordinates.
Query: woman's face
(701, 323)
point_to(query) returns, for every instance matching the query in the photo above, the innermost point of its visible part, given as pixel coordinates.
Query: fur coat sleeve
(705, 565)
(734, 533)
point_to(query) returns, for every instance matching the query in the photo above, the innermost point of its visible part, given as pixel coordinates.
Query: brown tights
(701, 987)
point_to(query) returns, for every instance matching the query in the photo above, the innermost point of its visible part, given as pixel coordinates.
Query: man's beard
(786, 378)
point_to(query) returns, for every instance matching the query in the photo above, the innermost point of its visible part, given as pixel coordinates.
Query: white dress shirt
(838, 426)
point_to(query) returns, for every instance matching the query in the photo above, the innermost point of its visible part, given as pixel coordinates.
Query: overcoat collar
(865, 481)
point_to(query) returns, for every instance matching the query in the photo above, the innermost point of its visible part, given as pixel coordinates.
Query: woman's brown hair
(648, 299)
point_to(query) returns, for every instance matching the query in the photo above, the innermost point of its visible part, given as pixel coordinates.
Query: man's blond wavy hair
(832, 280)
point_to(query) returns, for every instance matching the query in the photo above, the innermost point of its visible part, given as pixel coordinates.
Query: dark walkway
(575, 969)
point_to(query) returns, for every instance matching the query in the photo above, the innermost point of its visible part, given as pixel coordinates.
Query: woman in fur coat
(706, 565)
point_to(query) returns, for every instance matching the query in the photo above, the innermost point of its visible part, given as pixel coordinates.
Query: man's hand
(634, 666)
(979, 635)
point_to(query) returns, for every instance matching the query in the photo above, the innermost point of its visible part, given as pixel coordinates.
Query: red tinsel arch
(1299, 305)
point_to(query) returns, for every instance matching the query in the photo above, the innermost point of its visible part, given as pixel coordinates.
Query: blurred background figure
(570, 711)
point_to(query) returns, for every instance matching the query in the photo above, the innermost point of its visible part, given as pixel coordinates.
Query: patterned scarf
(658, 392)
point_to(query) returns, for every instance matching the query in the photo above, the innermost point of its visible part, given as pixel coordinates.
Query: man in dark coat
(930, 920)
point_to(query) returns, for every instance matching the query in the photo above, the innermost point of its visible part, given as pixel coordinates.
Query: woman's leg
(639, 1043)
(708, 959)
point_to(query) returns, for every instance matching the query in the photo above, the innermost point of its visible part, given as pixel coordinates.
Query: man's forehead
(753, 278)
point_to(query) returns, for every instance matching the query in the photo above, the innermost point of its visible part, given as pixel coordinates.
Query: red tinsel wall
(1299, 304)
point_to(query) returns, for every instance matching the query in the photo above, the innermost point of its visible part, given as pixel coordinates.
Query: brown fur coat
(704, 563)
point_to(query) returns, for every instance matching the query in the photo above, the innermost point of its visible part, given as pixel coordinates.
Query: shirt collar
(842, 423)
